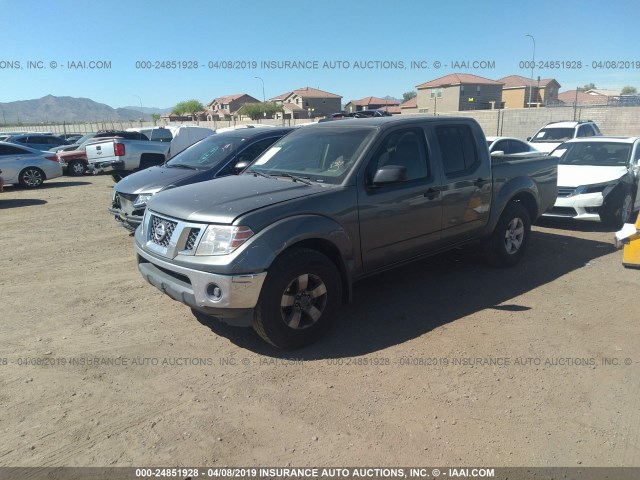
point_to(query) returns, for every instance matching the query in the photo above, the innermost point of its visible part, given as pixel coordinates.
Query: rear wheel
(299, 299)
(75, 168)
(31, 177)
(508, 242)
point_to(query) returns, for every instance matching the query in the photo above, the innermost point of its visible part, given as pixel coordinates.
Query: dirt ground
(444, 362)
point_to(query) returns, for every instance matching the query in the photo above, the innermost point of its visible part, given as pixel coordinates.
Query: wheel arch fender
(315, 232)
(519, 189)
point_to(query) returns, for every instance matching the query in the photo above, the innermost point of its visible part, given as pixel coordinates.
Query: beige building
(370, 103)
(410, 106)
(226, 108)
(515, 91)
(458, 92)
(308, 102)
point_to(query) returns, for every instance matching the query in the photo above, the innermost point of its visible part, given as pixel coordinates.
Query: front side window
(404, 148)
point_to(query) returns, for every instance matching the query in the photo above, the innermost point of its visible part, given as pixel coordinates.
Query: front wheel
(508, 242)
(299, 299)
(622, 213)
(31, 177)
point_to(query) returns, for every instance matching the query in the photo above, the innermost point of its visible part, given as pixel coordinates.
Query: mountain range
(69, 109)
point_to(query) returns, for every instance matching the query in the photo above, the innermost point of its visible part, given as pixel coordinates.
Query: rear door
(466, 181)
(401, 220)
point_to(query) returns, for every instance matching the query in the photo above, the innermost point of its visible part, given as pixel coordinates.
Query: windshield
(319, 154)
(553, 135)
(84, 138)
(207, 153)
(599, 154)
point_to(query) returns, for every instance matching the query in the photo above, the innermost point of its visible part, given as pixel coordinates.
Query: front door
(400, 220)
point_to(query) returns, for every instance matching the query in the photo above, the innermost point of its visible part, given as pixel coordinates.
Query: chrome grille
(566, 191)
(161, 230)
(191, 239)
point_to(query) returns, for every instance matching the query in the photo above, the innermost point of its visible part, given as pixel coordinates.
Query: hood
(222, 200)
(544, 147)
(153, 179)
(576, 175)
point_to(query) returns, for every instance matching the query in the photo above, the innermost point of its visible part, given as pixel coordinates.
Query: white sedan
(27, 166)
(510, 146)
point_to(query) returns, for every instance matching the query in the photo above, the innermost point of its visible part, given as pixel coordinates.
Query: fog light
(214, 291)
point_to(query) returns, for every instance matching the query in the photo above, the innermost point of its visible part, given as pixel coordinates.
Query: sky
(371, 45)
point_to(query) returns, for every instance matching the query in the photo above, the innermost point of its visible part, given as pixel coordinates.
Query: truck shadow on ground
(407, 302)
(20, 202)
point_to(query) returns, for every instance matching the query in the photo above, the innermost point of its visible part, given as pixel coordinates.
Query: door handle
(432, 193)
(479, 182)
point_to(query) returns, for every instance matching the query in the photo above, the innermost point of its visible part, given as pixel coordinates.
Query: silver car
(27, 166)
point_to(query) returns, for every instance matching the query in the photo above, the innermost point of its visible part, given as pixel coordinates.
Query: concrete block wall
(524, 122)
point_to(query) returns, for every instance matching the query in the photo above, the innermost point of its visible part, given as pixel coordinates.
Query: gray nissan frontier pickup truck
(279, 247)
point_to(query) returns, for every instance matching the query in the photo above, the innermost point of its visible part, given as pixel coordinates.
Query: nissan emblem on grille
(160, 232)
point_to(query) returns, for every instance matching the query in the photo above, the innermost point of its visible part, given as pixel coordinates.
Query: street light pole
(141, 114)
(263, 97)
(533, 63)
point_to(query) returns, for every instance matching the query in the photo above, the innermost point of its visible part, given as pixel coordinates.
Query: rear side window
(9, 150)
(517, 147)
(585, 131)
(457, 149)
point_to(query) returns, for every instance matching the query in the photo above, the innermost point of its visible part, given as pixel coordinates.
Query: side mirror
(390, 174)
(528, 139)
(241, 165)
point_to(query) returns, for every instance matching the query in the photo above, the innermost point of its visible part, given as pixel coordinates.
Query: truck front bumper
(106, 166)
(230, 298)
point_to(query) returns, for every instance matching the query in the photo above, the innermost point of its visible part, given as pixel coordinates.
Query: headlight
(222, 240)
(605, 188)
(142, 199)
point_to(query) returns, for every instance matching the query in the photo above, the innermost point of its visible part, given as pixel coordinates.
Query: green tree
(588, 86)
(256, 111)
(155, 117)
(628, 90)
(190, 107)
(409, 95)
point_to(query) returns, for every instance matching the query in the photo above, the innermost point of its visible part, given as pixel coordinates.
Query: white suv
(554, 133)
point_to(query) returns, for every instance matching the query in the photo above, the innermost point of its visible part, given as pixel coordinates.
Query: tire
(31, 177)
(75, 168)
(508, 242)
(622, 213)
(299, 299)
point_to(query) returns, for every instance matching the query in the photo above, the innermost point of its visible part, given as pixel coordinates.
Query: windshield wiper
(256, 172)
(294, 178)
(182, 165)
